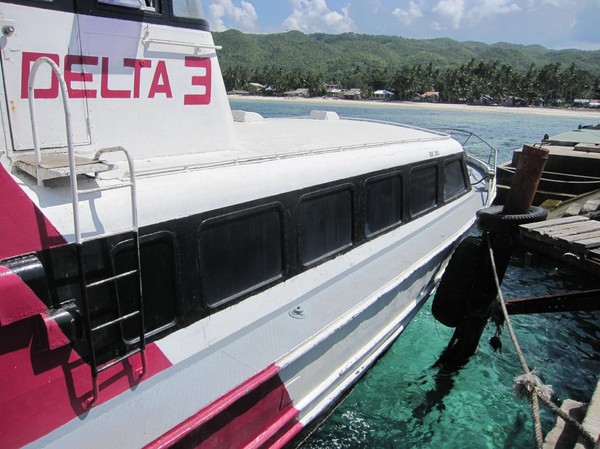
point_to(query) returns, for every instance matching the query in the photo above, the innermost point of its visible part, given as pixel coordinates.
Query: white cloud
(561, 3)
(407, 16)
(489, 8)
(374, 6)
(451, 9)
(223, 14)
(459, 13)
(314, 16)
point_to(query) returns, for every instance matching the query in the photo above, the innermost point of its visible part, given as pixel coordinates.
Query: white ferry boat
(174, 273)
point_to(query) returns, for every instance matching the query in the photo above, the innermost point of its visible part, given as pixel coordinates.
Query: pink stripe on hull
(17, 300)
(41, 390)
(23, 227)
(258, 413)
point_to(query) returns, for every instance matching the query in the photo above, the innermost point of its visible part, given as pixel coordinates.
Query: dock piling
(525, 182)
(501, 226)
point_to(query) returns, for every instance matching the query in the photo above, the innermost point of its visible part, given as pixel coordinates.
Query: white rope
(529, 384)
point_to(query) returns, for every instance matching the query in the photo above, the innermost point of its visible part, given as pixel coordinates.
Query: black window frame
(247, 212)
(378, 178)
(345, 187)
(56, 5)
(144, 240)
(412, 187)
(465, 178)
(163, 15)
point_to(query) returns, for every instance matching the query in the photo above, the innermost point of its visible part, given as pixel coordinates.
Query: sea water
(403, 402)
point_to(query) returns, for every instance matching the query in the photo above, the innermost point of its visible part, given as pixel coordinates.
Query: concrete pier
(565, 435)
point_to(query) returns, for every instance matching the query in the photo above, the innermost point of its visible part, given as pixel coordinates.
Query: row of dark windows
(248, 249)
(216, 259)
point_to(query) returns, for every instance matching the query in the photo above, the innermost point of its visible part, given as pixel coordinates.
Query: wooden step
(57, 166)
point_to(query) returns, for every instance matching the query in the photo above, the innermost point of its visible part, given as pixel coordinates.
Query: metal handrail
(36, 140)
(95, 369)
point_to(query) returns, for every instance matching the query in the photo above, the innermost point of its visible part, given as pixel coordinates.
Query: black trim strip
(162, 16)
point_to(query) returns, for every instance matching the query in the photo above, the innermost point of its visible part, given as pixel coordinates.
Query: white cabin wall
(157, 116)
(29, 38)
(161, 109)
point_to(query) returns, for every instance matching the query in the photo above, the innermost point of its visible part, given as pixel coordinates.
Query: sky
(554, 24)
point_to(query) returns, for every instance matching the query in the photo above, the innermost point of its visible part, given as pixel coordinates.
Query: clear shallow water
(398, 403)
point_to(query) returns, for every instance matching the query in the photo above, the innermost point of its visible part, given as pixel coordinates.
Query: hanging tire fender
(451, 300)
(492, 218)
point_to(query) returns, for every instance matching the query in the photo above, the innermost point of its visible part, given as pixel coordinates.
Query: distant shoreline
(533, 110)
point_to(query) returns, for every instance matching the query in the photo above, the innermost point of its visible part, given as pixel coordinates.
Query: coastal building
(383, 94)
(352, 94)
(302, 92)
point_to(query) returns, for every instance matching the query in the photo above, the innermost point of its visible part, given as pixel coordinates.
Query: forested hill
(336, 54)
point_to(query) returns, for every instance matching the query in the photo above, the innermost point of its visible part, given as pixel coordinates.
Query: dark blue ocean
(396, 405)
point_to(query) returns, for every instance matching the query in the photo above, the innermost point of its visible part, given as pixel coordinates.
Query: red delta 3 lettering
(82, 84)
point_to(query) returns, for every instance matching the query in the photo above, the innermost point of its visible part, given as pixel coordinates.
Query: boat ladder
(136, 345)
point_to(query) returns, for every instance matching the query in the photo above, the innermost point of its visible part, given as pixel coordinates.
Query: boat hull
(262, 384)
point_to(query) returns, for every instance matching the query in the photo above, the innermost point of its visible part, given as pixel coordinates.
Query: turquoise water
(398, 403)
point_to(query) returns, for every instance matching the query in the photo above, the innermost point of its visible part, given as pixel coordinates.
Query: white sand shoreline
(591, 115)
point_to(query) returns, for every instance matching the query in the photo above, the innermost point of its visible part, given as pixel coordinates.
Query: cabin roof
(324, 133)
(583, 135)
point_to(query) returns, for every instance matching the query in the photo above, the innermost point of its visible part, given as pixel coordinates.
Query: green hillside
(471, 72)
(336, 53)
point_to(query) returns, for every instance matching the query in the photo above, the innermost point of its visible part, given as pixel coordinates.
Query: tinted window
(383, 203)
(423, 189)
(191, 9)
(239, 253)
(325, 224)
(158, 283)
(137, 4)
(455, 182)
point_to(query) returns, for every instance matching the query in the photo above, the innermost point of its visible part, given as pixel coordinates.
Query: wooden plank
(558, 232)
(574, 242)
(570, 229)
(592, 205)
(550, 223)
(582, 236)
(588, 243)
(57, 166)
(589, 262)
(542, 237)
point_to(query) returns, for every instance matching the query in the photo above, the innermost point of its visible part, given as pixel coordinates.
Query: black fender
(450, 303)
(492, 218)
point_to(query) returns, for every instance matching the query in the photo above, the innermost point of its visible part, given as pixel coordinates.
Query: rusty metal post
(526, 179)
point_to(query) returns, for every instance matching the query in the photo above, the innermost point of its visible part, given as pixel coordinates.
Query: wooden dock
(573, 240)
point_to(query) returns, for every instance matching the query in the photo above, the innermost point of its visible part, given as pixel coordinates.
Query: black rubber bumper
(492, 219)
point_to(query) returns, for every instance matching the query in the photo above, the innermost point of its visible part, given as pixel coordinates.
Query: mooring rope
(529, 383)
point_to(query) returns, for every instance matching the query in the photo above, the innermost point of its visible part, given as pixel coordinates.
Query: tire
(492, 219)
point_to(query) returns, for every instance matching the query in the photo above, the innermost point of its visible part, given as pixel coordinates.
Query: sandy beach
(592, 115)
